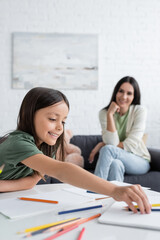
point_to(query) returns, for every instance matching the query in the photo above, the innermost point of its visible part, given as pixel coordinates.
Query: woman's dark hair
(134, 83)
(38, 98)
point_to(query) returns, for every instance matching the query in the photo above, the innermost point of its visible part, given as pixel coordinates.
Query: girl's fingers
(138, 195)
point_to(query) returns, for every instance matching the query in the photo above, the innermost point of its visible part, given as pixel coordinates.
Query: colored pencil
(152, 209)
(91, 192)
(89, 218)
(61, 232)
(80, 209)
(81, 234)
(153, 205)
(38, 200)
(60, 225)
(64, 225)
(46, 225)
(101, 198)
(80, 221)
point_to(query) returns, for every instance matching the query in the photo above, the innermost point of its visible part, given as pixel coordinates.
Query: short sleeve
(19, 147)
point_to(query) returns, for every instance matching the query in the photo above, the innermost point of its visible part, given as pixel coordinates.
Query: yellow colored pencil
(153, 205)
(46, 225)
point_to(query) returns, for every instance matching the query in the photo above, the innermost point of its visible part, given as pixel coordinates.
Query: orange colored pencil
(38, 200)
(81, 221)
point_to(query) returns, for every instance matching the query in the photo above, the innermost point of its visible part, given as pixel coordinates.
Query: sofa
(88, 142)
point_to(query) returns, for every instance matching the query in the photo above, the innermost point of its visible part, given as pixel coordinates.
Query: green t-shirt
(17, 147)
(121, 123)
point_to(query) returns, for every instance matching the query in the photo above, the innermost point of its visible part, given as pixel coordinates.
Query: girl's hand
(113, 108)
(20, 184)
(131, 194)
(36, 177)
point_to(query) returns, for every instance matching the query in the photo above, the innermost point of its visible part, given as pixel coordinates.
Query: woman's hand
(131, 194)
(110, 118)
(95, 151)
(91, 156)
(113, 108)
(120, 145)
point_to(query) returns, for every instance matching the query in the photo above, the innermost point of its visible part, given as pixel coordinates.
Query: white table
(93, 229)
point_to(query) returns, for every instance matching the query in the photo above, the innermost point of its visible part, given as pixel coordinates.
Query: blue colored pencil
(80, 209)
(152, 209)
(155, 209)
(91, 192)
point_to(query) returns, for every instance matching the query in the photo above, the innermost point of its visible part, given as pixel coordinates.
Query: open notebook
(117, 215)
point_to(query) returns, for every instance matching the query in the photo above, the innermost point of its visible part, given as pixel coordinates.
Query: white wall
(129, 44)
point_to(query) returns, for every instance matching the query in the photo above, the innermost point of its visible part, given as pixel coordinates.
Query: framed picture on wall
(60, 61)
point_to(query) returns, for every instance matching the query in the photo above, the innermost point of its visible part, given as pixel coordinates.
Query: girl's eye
(63, 123)
(52, 119)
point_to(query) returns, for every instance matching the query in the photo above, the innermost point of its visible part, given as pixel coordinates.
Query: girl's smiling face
(49, 122)
(125, 96)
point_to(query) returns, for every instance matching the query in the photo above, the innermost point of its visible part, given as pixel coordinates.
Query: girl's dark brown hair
(38, 98)
(134, 83)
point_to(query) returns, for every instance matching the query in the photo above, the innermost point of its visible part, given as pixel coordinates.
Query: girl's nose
(59, 126)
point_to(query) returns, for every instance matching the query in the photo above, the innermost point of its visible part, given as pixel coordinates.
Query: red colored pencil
(81, 234)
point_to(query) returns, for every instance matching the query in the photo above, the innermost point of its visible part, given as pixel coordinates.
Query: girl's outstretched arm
(19, 184)
(74, 175)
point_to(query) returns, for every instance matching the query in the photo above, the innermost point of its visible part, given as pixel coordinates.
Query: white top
(134, 131)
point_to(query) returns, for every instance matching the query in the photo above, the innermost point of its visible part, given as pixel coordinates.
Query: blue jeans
(114, 162)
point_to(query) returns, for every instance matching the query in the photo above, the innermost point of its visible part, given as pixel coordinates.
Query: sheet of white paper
(15, 208)
(116, 215)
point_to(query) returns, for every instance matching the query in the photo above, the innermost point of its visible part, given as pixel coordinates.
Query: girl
(123, 124)
(32, 147)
